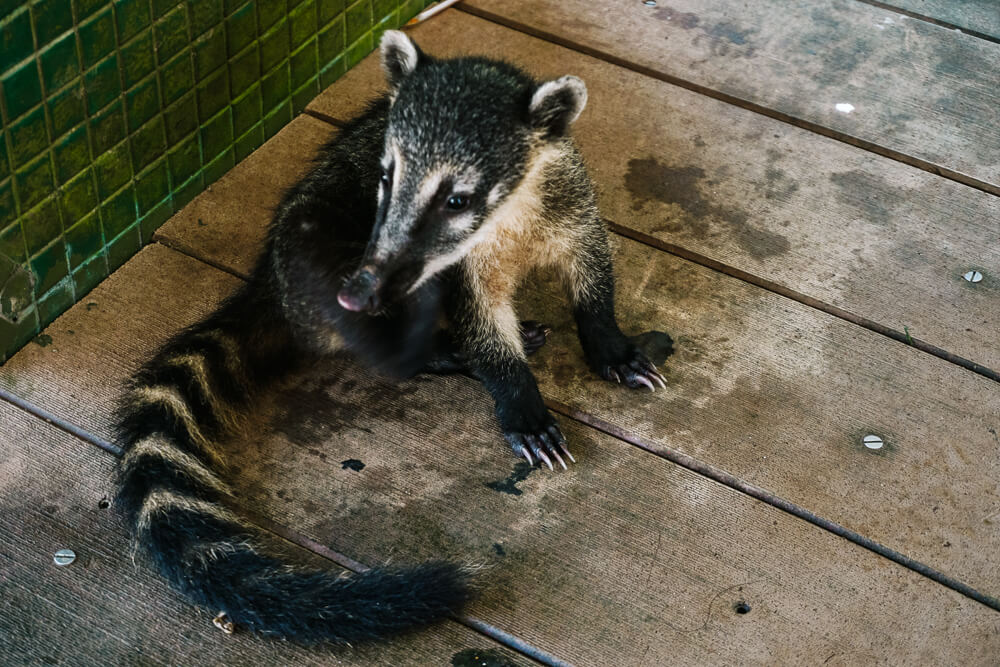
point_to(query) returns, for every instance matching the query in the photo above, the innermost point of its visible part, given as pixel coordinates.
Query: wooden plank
(917, 90)
(626, 559)
(974, 16)
(103, 609)
(887, 242)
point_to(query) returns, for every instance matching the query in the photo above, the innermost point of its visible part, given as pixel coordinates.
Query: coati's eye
(385, 177)
(457, 203)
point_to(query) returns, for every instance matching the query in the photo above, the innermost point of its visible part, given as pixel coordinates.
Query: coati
(432, 206)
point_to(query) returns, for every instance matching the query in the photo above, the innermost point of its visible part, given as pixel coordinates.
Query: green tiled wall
(116, 113)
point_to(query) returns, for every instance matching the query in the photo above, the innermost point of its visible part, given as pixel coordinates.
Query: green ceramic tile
(161, 7)
(241, 28)
(148, 143)
(12, 243)
(137, 59)
(330, 9)
(230, 6)
(247, 111)
(215, 169)
(41, 225)
(103, 84)
(356, 52)
(152, 220)
(66, 109)
(152, 187)
(60, 64)
(131, 16)
(217, 134)
(292, 4)
(123, 247)
(28, 137)
(277, 119)
(213, 94)
(268, 13)
(275, 87)
(204, 15)
(112, 170)
(118, 212)
(49, 266)
(15, 38)
(181, 119)
(249, 142)
(176, 78)
(390, 22)
(383, 8)
(97, 37)
(71, 154)
(170, 34)
(142, 103)
(107, 128)
(332, 72)
(54, 303)
(186, 192)
(84, 239)
(244, 70)
(22, 89)
(359, 20)
(89, 274)
(302, 22)
(184, 161)
(85, 8)
(8, 210)
(331, 41)
(209, 53)
(274, 46)
(34, 182)
(4, 164)
(51, 18)
(78, 197)
(304, 95)
(303, 64)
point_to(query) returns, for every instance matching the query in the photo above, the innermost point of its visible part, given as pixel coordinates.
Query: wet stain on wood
(352, 464)
(509, 485)
(656, 345)
(42, 340)
(476, 657)
(649, 180)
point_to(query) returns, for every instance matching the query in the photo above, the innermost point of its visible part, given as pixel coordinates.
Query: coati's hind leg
(608, 351)
(448, 358)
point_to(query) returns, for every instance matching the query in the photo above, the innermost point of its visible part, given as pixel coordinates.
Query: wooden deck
(809, 263)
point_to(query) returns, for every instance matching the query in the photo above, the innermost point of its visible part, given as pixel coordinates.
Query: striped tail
(177, 407)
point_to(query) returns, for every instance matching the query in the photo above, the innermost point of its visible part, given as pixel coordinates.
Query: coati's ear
(400, 56)
(556, 104)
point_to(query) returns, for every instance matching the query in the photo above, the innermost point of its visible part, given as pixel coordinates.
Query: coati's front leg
(608, 351)
(491, 341)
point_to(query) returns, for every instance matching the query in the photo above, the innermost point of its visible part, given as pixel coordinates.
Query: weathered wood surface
(916, 88)
(981, 16)
(882, 240)
(104, 609)
(625, 559)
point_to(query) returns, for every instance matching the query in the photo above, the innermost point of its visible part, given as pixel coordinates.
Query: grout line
(930, 19)
(735, 483)
(498, 635)
(804, 299)
(319, 115)
(188, 252)
(743, 103)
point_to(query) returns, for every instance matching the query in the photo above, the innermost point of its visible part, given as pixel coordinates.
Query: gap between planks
(498, 635)
(811, 126)
(930, 19)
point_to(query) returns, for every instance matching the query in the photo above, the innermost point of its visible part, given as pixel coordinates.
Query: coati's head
(461, 136)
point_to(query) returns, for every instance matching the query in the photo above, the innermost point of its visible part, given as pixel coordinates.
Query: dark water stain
(871, 195)
(722, 36)
(498, 549)
(475, 657)
(685, 20)
(731, 33)
(509, 486)
(648, 180)
(352, 464)
(42, 340)
(656, 345)
(91, 305)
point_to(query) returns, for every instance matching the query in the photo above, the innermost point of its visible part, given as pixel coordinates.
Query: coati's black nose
(361, 291)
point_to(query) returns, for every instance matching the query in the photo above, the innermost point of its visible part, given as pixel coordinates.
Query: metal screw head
(973, 276)
(64, 557)
(872, 442)
(649, 3)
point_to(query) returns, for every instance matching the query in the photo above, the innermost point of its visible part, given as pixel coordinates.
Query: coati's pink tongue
(360, 292)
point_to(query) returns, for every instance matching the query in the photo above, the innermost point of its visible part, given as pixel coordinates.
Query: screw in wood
(872, 442)
(973, 276)
(64, 557)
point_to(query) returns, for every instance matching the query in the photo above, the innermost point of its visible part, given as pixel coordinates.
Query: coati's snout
(360, 293)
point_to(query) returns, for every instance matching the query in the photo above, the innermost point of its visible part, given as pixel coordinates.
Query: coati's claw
(542, 446)
(546, 458)
(525, 454)
(559, 458)
(533, 335)
(641, 379)
(635, 373)
(613, 374)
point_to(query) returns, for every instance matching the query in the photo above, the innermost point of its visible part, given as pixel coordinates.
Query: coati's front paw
(543, 444)
(635, 371)
(533, 335)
